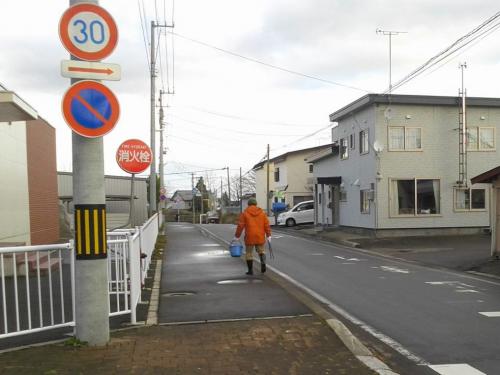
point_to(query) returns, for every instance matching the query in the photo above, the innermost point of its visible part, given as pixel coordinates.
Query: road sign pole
(91, 281)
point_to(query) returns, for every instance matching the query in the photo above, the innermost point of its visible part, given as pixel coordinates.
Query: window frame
(477, 131)
(415, 214)
(344, 148)
(405, 139)
(276, 174)
(470, 209)
(352, 141)
(364, 201)
(364, 134)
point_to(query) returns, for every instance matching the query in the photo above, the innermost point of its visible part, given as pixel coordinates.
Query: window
(342, 195)
(276, 175)
(344, 152)
(480, 139)
(415, 197)
(470, 199)
(363, 142)
(311, 166)
(364, 203)
(404, 138)
(351, 142)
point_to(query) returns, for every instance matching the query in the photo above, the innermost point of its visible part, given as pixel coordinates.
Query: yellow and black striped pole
(90, 231)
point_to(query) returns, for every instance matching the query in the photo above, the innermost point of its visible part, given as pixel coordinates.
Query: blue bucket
(235, 248)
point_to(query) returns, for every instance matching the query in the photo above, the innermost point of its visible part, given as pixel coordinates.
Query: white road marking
(339, 257)
(491, 314)
(459, 286)
(348, 263)
(456, 369)
(393, 269)
(466, 291)
(355, 259)
(316, 254)
(277, 236)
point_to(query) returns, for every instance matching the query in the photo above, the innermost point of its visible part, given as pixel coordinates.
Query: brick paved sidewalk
(304, 345)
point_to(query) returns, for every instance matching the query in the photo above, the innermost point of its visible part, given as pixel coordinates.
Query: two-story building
(397, 164)
(289, 176)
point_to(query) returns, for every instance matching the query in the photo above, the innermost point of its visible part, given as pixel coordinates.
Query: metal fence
(38, 284)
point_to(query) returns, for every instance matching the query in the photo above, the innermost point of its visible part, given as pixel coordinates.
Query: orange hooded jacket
(256, 225)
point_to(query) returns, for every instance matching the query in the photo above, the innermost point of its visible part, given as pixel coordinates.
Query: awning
(13, 108)
(329, 180)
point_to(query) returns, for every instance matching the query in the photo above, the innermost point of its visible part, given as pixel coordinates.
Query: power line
(454, 47)
(241, 118)
(267, 64)
(144, 34)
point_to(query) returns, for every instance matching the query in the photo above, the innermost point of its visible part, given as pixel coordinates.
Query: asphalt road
(447, 320)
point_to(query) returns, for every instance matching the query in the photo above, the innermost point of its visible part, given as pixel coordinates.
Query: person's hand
(236, 239)
(269, 239)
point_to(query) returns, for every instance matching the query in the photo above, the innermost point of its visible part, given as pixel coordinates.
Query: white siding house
(395, 165)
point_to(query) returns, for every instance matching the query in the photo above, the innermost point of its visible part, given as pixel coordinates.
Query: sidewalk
(277, 335)
(468, 253)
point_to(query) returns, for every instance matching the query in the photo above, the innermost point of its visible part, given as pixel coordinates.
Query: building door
(335, 204)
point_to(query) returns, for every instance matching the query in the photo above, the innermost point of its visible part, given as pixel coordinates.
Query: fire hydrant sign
(90, 109)
(134, 156)
(88, 32)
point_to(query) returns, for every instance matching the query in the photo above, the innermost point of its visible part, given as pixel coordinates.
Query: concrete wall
(14, 198)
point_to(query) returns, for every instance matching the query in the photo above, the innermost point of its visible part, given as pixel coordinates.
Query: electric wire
(267, 64)
(241, 118)
(446, 52)
(144, 35)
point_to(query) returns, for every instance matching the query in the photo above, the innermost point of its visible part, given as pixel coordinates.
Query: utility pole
(162, 126)
(221, 192)
(390, 34)
(267, 182)
(241, 192)
(193, 193)
(228, 187)
(89, 198)
(152, 175)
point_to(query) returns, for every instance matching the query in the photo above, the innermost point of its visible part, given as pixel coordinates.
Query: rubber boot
(250, 267)
(262, 262)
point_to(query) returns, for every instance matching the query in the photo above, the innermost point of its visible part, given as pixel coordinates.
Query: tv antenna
(390, 33)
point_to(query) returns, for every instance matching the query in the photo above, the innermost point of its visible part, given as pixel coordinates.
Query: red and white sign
(134, 156)
(88, 32)
(90, 109)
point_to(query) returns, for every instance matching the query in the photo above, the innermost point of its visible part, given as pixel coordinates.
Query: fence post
(135, 279)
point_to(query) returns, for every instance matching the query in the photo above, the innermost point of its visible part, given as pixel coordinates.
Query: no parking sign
(90, 109)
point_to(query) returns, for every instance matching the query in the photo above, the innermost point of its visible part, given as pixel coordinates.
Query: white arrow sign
(90, 70)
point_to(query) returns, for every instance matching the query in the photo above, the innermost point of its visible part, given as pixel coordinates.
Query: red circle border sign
(134, 156)
(74, 50)
(73, 93)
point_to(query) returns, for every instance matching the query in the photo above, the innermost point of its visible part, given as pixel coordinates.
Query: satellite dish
(378, 146)
(389, 113)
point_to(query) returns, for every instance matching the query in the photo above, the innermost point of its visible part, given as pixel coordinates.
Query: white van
(301, 213)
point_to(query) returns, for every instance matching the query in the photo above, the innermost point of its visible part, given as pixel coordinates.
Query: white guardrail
(38, 283)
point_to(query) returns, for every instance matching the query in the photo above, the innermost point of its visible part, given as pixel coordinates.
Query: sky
(228, 103)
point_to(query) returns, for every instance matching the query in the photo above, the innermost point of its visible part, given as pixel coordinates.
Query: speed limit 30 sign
(88, 32)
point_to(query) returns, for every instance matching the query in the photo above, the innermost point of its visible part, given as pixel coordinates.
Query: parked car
(301, 213)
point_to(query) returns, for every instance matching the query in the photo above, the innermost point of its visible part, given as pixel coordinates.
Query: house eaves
(282, 157)
(371, 99)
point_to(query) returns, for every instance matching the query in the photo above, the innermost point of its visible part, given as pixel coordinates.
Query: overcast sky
(226, 109)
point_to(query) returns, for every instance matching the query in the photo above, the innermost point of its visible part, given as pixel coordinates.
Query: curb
(360, 351)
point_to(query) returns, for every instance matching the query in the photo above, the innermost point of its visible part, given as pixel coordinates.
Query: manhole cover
(239, 281)
(177, 294)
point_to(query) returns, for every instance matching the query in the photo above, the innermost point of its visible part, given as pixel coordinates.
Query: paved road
(447, 320)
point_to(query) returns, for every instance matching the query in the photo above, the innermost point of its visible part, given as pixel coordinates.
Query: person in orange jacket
(256, 225)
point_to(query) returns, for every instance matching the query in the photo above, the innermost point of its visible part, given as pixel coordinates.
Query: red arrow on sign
(90, 70)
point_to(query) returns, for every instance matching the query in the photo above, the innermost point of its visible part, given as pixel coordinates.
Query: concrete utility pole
(390, 34)
(89, 198)
(162, 126)
(193, 199)
(152, 174)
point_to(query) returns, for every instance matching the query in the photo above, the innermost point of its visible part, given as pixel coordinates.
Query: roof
(323, 154)
(108, 176)
(186, 195)
(13, 108)
(486, 177)
(286, 154)
(371, 99)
